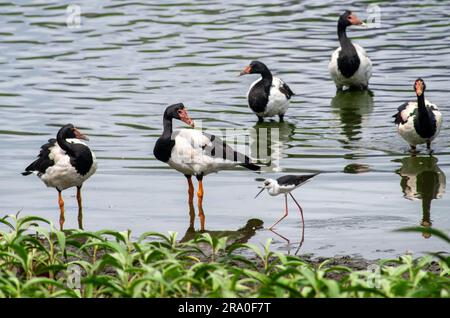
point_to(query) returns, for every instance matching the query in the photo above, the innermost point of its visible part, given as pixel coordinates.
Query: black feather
(286, 90)
(398, 116)
(294, 180)
(219, 149)
(43, 162)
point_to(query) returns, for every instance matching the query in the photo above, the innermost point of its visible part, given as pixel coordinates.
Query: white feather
(189, 157)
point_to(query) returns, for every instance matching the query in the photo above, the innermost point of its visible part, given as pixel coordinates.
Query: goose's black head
(419, 86)
(69, 132)
(178, 111)
(255, 67)
(348, 18)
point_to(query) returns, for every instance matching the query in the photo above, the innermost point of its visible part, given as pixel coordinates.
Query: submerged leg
(61, 210)
(429, 147)
(260, 120)
(413, 149)
(190, 189)
(191, 202)
(200, 194)
(80, 209)
(286, 212)
(303, 220)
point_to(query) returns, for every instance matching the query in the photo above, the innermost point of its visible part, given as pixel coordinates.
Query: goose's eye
(266, 183)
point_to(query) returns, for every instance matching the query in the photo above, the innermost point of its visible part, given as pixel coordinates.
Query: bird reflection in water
(422, 179)
(352, 106)
(268, 140)
(241, 235)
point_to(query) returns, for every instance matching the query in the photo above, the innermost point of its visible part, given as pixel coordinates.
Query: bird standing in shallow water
(268, 96)
(285, 185)
(418, 122)
(195, 153)
(349, 66)
(63, 163)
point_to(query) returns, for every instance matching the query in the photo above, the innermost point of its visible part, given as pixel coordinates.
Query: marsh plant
(37, 260)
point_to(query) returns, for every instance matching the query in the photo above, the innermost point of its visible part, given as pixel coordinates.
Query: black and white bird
(195, 153)
(285, 185)
(418, 122)
(63, 163)
(349, 66)
(268, 96)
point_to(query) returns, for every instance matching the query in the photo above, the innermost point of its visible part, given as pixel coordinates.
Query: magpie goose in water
(285, 185)
(63, 163)
(268, 96)
(195, 153)
(349, 66)
(418, 122)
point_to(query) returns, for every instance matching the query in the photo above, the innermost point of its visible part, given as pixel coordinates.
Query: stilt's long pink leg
(303, 220)
(285, 213)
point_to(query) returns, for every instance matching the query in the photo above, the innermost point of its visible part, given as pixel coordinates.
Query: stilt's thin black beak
(260, 192)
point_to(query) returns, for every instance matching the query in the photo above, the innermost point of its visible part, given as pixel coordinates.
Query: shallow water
(113, 77)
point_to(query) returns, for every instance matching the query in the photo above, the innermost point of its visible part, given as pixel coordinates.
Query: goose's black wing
(43, 161)
(398, 116)
(286, 90)
(219, 149)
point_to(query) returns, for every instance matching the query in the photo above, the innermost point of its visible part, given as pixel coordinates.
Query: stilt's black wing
(219, 149)
(286, 90)
(43, 162)
(294, 180)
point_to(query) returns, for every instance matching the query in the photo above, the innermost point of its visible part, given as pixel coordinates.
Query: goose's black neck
(167, 127)
(425, 124)
(62, 142)
(348, 60)
(421, 102)
(80, 155)
(266, 74)
(424, 116)
(342, 35)
(163, 147)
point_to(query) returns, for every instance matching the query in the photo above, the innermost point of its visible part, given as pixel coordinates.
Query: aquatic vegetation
(37, 260)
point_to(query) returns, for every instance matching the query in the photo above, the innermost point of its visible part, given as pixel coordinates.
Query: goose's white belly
(62, 175)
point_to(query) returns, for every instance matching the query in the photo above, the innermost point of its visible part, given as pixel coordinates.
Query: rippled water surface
(115, 74)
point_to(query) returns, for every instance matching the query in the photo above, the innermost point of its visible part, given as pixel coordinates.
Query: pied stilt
(195, 153)
(285, 185)
(63, 163)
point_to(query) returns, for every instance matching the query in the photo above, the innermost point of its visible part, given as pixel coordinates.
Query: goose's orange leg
(80, 209)
(200, 194)
(191, 202)
(61, 210)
